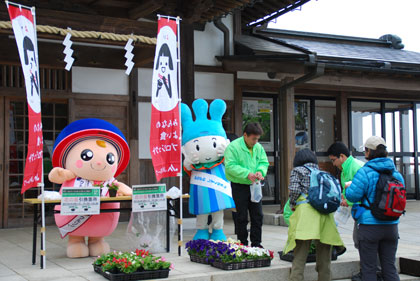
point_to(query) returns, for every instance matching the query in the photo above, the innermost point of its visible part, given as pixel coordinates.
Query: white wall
(253, 75)
(213, 85)
(209, 43)
(145, 82)
(99, 81)
(145, 112)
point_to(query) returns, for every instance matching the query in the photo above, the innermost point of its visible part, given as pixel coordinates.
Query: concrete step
(403, 277)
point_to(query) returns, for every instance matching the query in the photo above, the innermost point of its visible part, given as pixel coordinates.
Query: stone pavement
(16, 245)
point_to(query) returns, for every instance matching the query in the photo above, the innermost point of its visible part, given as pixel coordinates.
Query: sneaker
(357, 277)
(379, 276)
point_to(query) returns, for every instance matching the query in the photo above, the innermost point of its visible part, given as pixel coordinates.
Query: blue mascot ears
(202, 126)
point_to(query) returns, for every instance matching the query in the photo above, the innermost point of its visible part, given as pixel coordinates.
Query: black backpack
(390, 198)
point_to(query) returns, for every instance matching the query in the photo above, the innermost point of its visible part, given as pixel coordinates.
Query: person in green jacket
(245, 163)
(340, 157)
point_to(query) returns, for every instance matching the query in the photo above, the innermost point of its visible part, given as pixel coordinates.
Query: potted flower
(229, 254)
(112, 189)
(132, 265)
(200, 251)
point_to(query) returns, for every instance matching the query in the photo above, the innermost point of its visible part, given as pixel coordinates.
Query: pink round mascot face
(93, 159)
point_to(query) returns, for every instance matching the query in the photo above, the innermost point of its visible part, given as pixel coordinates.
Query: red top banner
(165, 127)
(25, 33)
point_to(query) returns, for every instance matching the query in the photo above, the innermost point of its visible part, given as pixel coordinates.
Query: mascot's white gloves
(221, 148)
(190, 159)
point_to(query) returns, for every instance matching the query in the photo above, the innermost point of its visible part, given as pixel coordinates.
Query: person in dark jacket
(376, 237)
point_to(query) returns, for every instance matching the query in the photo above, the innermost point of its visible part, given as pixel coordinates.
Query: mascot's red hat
(90, 128)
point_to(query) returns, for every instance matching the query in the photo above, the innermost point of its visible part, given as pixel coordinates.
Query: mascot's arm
(221, 148)
(123, 189)
(60, 175)
(189, 160)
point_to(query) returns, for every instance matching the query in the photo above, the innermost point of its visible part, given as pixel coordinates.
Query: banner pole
(43, 260)
(180, 228)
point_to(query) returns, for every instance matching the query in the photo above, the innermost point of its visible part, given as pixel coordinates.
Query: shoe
(202, 234)
(340, 250)
(357, 277)
(257, 246)
(379, 276)
(218, 235)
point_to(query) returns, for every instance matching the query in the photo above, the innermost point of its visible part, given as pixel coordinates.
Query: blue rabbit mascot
(204, 142)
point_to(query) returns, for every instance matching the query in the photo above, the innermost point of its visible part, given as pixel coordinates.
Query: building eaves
(340, 52)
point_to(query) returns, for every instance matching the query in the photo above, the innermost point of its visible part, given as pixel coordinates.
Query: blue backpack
(324, 193)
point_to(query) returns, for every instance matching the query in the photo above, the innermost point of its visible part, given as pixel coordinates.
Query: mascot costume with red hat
(89, 152)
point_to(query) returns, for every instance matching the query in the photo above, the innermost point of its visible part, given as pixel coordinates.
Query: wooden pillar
(187, 63)
(237, 107)
(342, 119)
(133, 128)
(287, 135)
(237, 23)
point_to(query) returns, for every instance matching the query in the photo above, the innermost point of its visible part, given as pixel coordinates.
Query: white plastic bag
(342, 215)
(50, 195)
(256, 192)
(147, 230)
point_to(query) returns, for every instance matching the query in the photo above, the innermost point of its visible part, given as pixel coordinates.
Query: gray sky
(360, 18)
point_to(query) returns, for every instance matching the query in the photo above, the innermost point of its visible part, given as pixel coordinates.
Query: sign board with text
(80, 201)
(149, 197)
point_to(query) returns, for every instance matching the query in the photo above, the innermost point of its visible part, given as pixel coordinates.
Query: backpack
(324, 193)
(390, 198)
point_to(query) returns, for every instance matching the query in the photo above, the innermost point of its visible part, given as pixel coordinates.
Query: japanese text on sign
(80, 201)
(149, 198)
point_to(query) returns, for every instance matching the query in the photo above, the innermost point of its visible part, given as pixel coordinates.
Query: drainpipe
(316, 72)
(219, 24)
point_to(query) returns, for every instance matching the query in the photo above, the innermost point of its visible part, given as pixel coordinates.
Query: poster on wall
(165, 144)
(302, 131)
(260, 111)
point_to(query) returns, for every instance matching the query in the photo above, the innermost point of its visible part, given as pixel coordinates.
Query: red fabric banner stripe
(165, 128)
(25, 34)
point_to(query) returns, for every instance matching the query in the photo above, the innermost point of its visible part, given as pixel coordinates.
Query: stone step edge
(403, 277)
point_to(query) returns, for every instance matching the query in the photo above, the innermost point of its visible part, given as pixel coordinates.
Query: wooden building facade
(96, 86)
(304, 95)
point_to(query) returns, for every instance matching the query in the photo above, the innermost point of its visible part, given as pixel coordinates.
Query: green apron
(306, 223)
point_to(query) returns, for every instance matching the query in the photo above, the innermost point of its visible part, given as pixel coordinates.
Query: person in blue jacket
(376, 237)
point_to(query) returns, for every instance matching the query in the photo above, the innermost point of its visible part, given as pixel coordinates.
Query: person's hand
(343, 201)
(252, 177)
(259, 176)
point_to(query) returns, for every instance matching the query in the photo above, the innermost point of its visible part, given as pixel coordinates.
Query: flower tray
(141, 275)
(242, 265)
(258, 263)
(198, 259)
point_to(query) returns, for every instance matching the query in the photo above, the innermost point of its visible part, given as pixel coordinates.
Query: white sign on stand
(149, 197)
(80, 201)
